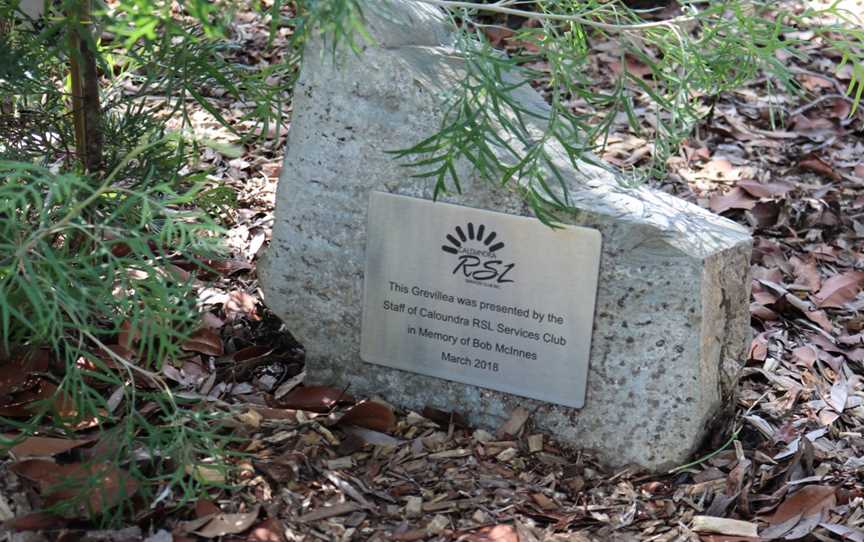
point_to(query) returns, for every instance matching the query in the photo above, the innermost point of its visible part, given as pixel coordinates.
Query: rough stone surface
(671, 323)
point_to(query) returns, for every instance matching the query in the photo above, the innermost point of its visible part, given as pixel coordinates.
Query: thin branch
(131, 367)
(819, 100)
(502, 8)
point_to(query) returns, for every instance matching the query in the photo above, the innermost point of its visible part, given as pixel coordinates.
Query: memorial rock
(670, 320)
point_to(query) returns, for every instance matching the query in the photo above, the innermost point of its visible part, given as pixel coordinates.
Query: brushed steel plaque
(484, 298)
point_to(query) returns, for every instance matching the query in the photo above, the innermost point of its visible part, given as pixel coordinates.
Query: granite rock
(671, 324)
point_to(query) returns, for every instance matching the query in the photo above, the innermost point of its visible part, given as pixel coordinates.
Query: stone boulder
(671, 324)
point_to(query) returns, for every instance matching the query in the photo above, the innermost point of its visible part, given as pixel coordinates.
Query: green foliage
(714, 47)
(87, 261)
(217, 199)
(341, 20)
(66, 240)
(83, 265)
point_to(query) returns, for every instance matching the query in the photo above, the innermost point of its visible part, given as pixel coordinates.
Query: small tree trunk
(5, 101)
(86, 110)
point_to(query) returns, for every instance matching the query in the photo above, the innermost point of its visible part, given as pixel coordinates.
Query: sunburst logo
(473, 234)
(475, 248)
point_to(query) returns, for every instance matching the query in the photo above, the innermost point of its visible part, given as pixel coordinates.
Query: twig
(504, 10)
(133, 368)
(817, 101)
(837, 86)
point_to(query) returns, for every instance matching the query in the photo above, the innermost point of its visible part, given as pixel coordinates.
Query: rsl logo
(476, 249)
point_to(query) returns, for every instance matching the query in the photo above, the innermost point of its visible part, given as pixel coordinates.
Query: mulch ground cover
(319, 464)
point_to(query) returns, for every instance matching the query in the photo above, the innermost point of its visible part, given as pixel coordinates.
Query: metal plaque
(484, 298)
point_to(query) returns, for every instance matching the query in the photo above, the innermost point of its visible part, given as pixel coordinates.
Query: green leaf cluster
(684, 63)
(88, 259)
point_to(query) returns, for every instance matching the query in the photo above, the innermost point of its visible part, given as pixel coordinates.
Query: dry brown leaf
(271, 530)
(734, 527)
(110, 487)
(497, 34)
(817, 165)
(805, 355)
(766, 213)
(498, 533)
(38, 470)
(758, 348)
(99, 485)
(851, 340)
(720, 169)
(329, 512)
(808, 501)
(357, 437)
(819, 317)
(847, 533)
(108, 353)
(229, 267)
(734, 199)
(251, 352)
(177, 273)
(839, 290)
(413, 535)
(786, 433)
(513, 425)
(762, 312)
(814, 82)
(314, 398)
(840, 108)
(371, 415)
(815, 129)
(806, 274)
(46, 446)
(544, 502)
(23, 404)
(827, 416)
(856, 355)
(120, 249)
(35, 521)
(16, 374)
(764, 190)
(127, 337)
(774, 275)
(632, 66)
(839, 393)
(223, 524)
(49, 400)
(211, 321)
(697, 153)
(239, 304)
(275, 413)
(204, 341)
(204, 507)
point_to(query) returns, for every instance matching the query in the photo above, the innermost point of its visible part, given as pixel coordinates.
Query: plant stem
(705, 458)
(6, 104)
(86, 110)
